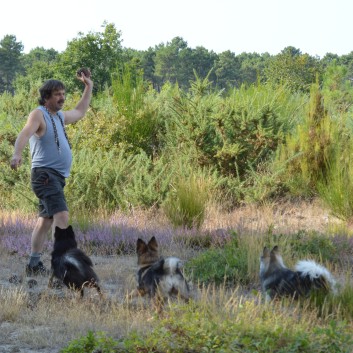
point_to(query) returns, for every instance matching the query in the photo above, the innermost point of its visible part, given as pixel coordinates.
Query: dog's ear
(70, 232)
(58, 233)
(275, 250)
(152, 244)
(266, 252)
(141, 246)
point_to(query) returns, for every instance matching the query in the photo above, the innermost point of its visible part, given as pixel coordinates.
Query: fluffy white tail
(313, 270)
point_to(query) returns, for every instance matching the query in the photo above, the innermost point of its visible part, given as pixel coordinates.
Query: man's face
(56, 100)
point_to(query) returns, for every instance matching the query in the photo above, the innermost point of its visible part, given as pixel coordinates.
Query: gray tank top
(44, 149)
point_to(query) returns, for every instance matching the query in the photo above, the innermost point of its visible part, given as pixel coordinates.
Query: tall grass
(336, 188)
(336, 184)
(306, 150)
(186, 204)
(13, 302)
(225, 321)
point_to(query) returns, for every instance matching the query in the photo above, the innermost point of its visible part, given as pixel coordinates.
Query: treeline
(172, 62)
(156, 138)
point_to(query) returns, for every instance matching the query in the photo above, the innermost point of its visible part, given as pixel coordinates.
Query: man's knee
(61, 219)
(44, 222)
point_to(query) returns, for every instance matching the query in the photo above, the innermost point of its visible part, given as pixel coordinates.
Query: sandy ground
(117, 276)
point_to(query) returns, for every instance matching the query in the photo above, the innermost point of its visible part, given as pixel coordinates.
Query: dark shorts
(48, 185)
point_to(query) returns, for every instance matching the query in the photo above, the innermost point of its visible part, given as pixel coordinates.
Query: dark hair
(48, 88)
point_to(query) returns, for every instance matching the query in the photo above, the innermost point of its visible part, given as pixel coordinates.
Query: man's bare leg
(39, 236)
(40, 233)
(61, 220)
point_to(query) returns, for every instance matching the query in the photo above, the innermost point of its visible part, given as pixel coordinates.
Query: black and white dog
(70, 264)
(157, 277)
(279, 281)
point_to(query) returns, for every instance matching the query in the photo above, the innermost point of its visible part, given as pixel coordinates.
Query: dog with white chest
(159, 278)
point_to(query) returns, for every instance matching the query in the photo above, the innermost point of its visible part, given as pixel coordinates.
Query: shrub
(306, 151)
(336, 184)
(186, 204)
(228, 264)
(304, 244)
(115, 180)
(92, 342)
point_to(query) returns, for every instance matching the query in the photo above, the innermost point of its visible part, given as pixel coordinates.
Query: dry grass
(45, 319)
(283, 218)
(39, 319)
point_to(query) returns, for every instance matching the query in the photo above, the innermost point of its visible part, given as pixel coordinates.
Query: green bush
(186, 204)
(304, 244)
(336, 185)
(306, 150)
(116, 180)
(136, 144)
(92, 342)
(227, 264)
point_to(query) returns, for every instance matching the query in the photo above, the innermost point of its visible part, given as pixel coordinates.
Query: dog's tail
(172, 265)
(79, 263)
(319, 275)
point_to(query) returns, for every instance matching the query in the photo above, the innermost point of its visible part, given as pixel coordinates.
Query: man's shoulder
(38, 110)
(36, 115)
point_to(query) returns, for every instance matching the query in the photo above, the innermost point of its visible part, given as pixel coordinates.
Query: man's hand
(84, 75)
(15, 161)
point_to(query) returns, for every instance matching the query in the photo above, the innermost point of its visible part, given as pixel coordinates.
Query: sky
(315, 27)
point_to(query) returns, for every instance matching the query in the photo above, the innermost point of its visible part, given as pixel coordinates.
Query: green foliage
(250, 126)
(10, 62)
(15, 190)
(138, 121)
(241, 327)
(92, 342)
(339, 304)
(317, 157)
(227, 264)
(172, 62)
(186, 203)
(336, 185)
(304, 244)
(314, 244)
(234, 134)
(343, 300)
(337, 88)
(17, 107)
(113, 179)
(39, 66)
(262, 184)
(96, 130)
(128, 90)
(232, 138)
(292, 68)
(309, 147)
(227, 70)
(99, 51)
(189, 125)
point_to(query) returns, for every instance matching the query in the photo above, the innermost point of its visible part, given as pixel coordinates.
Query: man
(51, 159)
